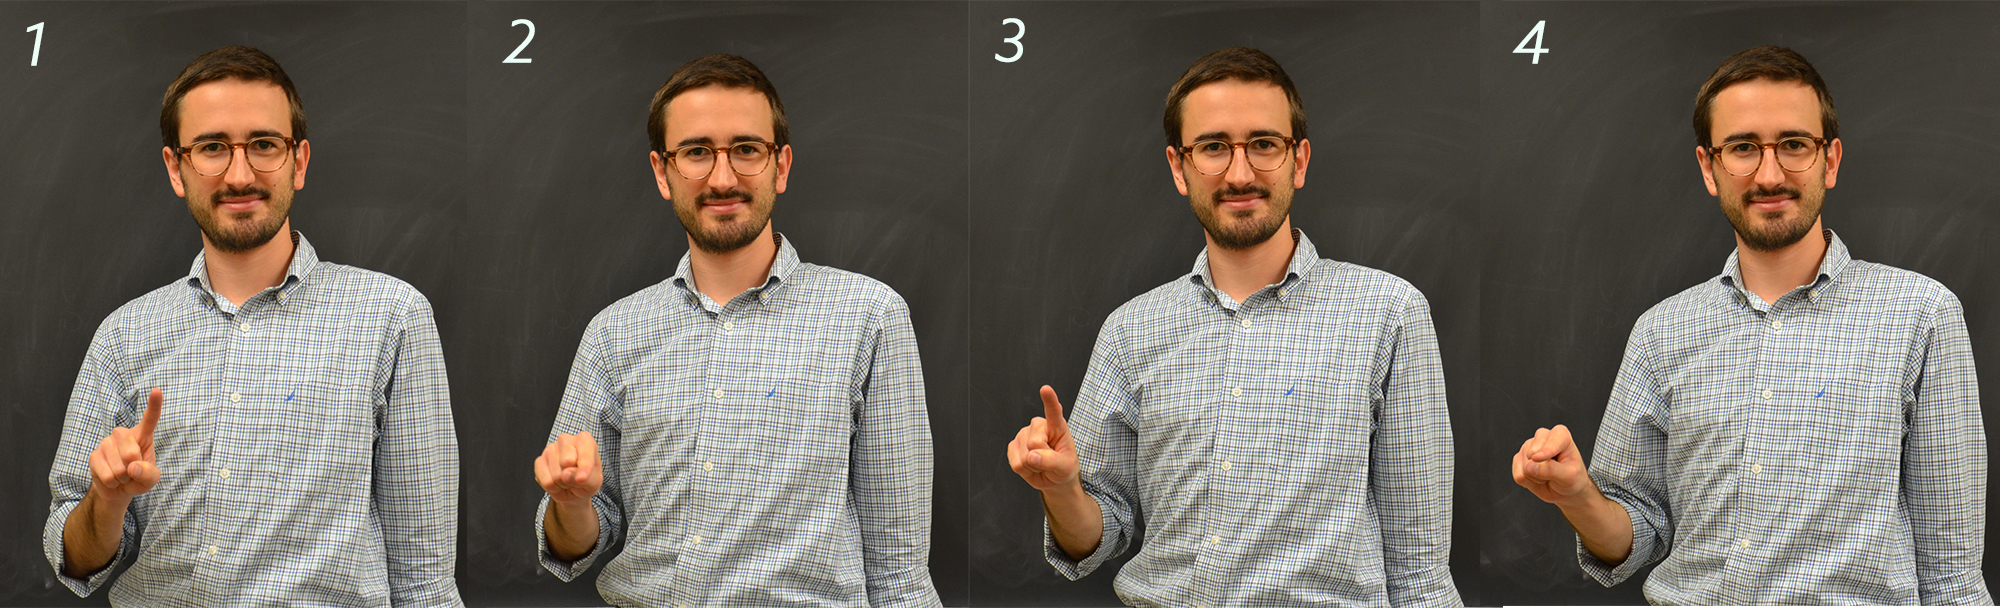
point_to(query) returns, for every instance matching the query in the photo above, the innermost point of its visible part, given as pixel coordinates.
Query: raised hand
(1042, 453)
(123, 466)
(1550, 466)
(568, 469)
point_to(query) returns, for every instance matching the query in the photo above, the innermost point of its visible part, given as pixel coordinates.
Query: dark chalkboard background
(1540, 207)
(1592, 210)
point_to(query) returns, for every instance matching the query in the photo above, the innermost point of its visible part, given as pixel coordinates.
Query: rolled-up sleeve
(97, 404)
(585, 403)
(1630, 464)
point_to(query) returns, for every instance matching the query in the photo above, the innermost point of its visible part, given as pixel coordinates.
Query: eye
(696, 153)
(265, 145)
(1795, 145)
(1266, 145)
(1210, 147)
(209, 147)
(1741, 148)
(747, 150)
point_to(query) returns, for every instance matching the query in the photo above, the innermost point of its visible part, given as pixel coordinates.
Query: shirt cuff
(52, 546)
(568, 571)
(1076, 569)
(1643, 545)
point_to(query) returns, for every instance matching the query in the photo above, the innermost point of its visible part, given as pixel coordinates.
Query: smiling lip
(239, 205)
(1770, 204)
(729, 206)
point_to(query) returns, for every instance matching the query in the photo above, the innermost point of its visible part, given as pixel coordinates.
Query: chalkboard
(1592, 210)
(1007, 178)
(1074, 210)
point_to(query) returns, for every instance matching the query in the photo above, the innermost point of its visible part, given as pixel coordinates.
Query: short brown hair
(239, 62)
(724, 70)
(1237, 63)
(1774, 63)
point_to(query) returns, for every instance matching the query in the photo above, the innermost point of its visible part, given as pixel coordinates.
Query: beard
(1775, 231)
(1240, 230)
(725, 233)
(245, 232)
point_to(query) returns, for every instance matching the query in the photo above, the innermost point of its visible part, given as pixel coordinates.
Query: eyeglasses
(697, 161)
(212, 157)
(1743, 157)
(1213, 156)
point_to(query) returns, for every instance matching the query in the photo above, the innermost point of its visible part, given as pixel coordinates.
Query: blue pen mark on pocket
(1822, 392)
(1288, 389)
(774, 391)
(289, 397)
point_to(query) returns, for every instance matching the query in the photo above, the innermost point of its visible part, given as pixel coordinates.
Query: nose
(239, 173)
(723, 176)
(1769, 173)
(1239, 172)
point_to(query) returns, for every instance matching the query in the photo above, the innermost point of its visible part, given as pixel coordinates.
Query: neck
(1241, 272)
(239, 275)
(1772, 274)
(721, 276)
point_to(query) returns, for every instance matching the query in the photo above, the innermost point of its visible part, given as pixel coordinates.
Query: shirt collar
(304, 260)
(1305, 257)
(1830, 266)
(781, 269)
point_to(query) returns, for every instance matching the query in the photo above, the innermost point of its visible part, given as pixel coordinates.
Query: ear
(301, 156)
(1304, 155)
(1707, 169)
(1832, 161)
(660, 170)
(173, 163)
(1174, 166)
(784, 167)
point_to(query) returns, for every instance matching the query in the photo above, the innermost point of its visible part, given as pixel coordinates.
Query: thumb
(152, 418)
(1052, 409)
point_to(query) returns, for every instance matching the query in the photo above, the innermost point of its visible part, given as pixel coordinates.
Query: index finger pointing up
(152, 418)
(1052, 409)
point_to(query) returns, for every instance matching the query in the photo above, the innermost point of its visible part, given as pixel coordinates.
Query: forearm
(1075, 520)
(1603, 524)
(91, 536)
(572, 530)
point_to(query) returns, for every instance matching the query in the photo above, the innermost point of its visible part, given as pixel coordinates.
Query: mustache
(1762, 192)
(736, 193)
(1249, 189)
(233, 192)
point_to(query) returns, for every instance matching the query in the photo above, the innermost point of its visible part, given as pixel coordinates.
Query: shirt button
(694, 541)
(707, 467)
(728, 325)
(1236, 392)
(223, 474)
(718, 393)
(1767, 394)
(1744, 544)
(1757, 468)
(1777, 324)
(1225, 466)
(1246, 324)
(1214, 541)
(236, 397)
(212, 550)
(1812, 293)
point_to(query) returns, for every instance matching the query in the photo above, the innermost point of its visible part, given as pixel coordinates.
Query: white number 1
(36, 58)
(1535, 35)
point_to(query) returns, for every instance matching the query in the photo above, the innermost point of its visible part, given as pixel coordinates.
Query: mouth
(1769, 202)
(239, 203)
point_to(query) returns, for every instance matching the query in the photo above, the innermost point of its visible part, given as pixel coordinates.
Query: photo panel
(92, 222)
(567, 219)
(1074, 209)
(1593, 208)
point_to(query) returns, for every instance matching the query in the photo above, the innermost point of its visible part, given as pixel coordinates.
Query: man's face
(725, 210)
(242, 208)
(1242, 207)
(1771, 208)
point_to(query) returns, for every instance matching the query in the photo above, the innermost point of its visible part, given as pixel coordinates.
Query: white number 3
(1021, 29)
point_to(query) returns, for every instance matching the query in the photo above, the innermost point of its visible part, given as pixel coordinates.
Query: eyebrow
(1781, 135)
(709, 141)
(218, 135)
(1225, 136)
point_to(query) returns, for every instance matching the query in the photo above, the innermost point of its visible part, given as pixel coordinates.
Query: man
(272, 429)
(753, 428)
(1803, 428)
(1278, 419)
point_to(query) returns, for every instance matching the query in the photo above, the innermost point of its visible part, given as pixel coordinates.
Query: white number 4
(1537, 50)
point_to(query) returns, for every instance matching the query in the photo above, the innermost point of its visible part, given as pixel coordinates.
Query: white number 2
(36, 58)
(515, 57)
(1537, 50)
(1021, 29)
